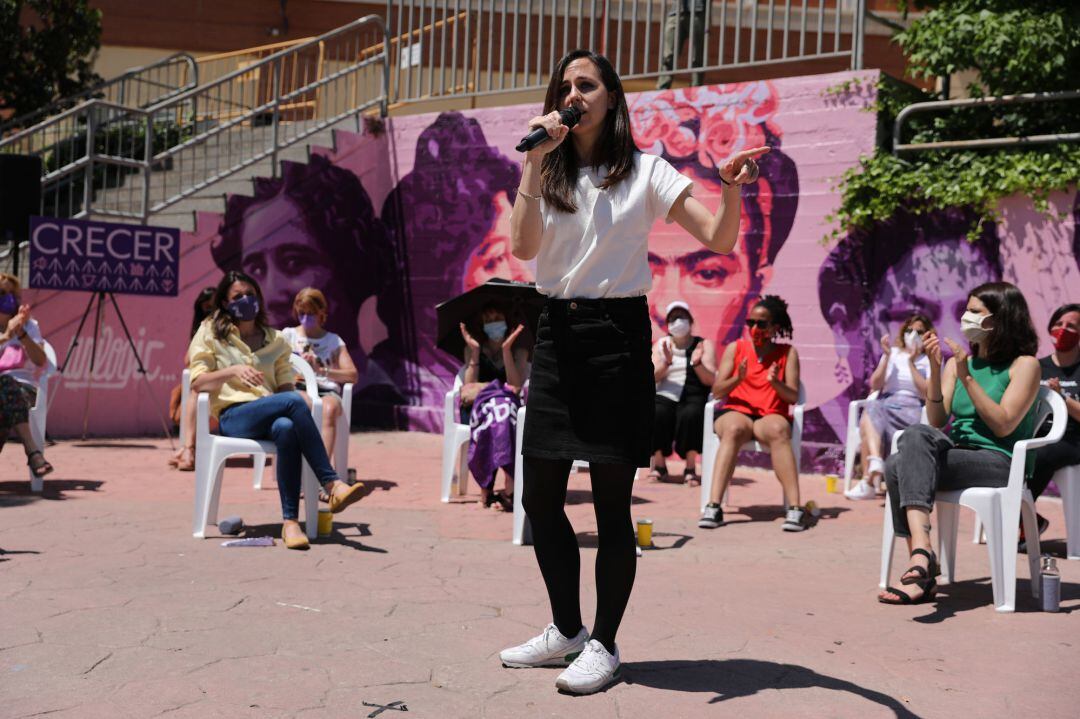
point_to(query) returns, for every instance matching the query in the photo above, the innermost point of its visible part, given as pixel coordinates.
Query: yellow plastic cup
(644, 533)
(326, 522)
(832, 483)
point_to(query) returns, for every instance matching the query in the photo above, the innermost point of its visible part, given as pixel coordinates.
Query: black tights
(556, 544)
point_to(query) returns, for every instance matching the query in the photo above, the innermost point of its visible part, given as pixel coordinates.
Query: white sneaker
(794, 520)
(550, 649)
(862, 490)
(593, 670)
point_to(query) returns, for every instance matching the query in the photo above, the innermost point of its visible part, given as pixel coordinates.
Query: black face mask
(244, 309)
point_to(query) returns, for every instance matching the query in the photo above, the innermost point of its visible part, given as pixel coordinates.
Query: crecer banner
(90, 256)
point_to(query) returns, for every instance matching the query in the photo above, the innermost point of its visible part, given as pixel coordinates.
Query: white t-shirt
(898, 373)
(602, 249)
(325, 348)
(28, 372)
(672, 384)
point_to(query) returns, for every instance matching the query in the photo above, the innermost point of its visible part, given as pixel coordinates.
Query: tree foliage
(47, 51)
(1014, 47)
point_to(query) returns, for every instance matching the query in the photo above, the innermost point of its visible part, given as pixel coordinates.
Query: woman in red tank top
(758, 381)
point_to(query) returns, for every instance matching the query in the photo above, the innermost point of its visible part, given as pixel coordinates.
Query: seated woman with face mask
(244, 365)
(327, 354)
(684, 366)
(495, 370)
(900, 380)
(988, 395)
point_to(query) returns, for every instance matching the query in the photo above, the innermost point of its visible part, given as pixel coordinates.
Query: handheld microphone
(569, 117)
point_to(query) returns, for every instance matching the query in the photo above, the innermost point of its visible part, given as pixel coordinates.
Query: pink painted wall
(439, 188)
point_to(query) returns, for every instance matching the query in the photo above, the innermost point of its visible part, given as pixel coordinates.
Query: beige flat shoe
(341, 500)
(294, 542)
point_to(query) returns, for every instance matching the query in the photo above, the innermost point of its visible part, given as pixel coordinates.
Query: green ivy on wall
(1015, 46)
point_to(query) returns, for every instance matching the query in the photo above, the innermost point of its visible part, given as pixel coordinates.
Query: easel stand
(99, 298)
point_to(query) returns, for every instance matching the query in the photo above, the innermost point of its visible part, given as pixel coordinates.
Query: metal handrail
(930, 106)
(473, 48)
(120, 82)
(211, 131)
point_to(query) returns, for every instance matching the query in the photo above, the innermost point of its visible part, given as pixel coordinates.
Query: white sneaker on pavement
(549, 649)
(862, 490)
(593, 670)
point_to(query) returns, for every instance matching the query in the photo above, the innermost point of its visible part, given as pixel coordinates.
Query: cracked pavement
(111, 609)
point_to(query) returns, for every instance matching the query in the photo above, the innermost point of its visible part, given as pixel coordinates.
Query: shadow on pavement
(734, 678)
(16, 493)
(662, 541)
(970, 594)
(345, 533)
(773, 512)
(5, 552)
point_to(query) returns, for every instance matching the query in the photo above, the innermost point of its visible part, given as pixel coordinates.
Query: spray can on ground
(1051, 585)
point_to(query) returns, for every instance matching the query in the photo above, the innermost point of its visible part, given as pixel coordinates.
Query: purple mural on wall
(315, 226)
(450, 216)
(92, 256)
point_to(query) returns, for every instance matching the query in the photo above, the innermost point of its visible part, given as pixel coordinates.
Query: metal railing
(446, 48)
(981, 143)
(137, 87)
(108, 160)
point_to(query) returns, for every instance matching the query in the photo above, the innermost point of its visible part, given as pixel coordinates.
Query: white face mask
(495, 330)
(913, 341)
(679, 328)
(971, 324)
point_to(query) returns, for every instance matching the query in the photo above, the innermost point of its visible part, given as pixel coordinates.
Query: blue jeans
(285, 419)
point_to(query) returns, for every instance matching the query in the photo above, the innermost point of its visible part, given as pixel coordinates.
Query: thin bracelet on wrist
(526, 194)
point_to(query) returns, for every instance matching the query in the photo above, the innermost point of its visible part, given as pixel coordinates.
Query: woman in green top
(989, 396)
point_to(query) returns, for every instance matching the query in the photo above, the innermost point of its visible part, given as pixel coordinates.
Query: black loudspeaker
(20, 195)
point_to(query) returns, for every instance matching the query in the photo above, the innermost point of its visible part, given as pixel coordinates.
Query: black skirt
(592, 385)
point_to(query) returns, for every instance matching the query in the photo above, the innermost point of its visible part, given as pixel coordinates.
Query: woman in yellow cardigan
(244, 364)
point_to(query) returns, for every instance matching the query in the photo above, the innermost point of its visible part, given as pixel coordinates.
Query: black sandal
(504, 500)
(924, 573)
(40, 469)
(929, 592)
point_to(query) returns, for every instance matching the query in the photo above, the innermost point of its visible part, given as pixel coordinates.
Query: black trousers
(1050, 459)
(679, 424)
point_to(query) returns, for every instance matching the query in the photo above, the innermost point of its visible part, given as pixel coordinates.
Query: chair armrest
(202, 414)
(449, 405)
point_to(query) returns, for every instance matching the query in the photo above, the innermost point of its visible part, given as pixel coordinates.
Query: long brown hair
(615, 147)
(1013, 333)
(222, 320)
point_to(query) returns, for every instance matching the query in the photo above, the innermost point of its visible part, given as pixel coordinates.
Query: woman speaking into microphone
(584, 208)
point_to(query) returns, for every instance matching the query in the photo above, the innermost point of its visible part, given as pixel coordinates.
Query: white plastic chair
(521, 533)
(712, 445)
(851, 446)
(1067, 480)
(211, 451)
(853, 440)
(39, 412)
(258, 458)
(455, 437)
(999, 509)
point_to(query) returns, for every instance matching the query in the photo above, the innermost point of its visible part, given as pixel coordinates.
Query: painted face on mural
(492, 257)
(284, 258)
(932, 281)
(717, 285)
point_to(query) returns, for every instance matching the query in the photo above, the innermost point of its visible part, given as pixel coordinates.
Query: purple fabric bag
(493, 433)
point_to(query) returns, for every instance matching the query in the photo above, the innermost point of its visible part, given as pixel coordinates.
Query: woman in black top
(1061, 373)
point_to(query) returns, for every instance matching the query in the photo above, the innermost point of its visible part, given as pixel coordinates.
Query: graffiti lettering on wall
(115, 367)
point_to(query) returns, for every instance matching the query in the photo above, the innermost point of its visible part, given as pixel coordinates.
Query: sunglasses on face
(760, 324)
